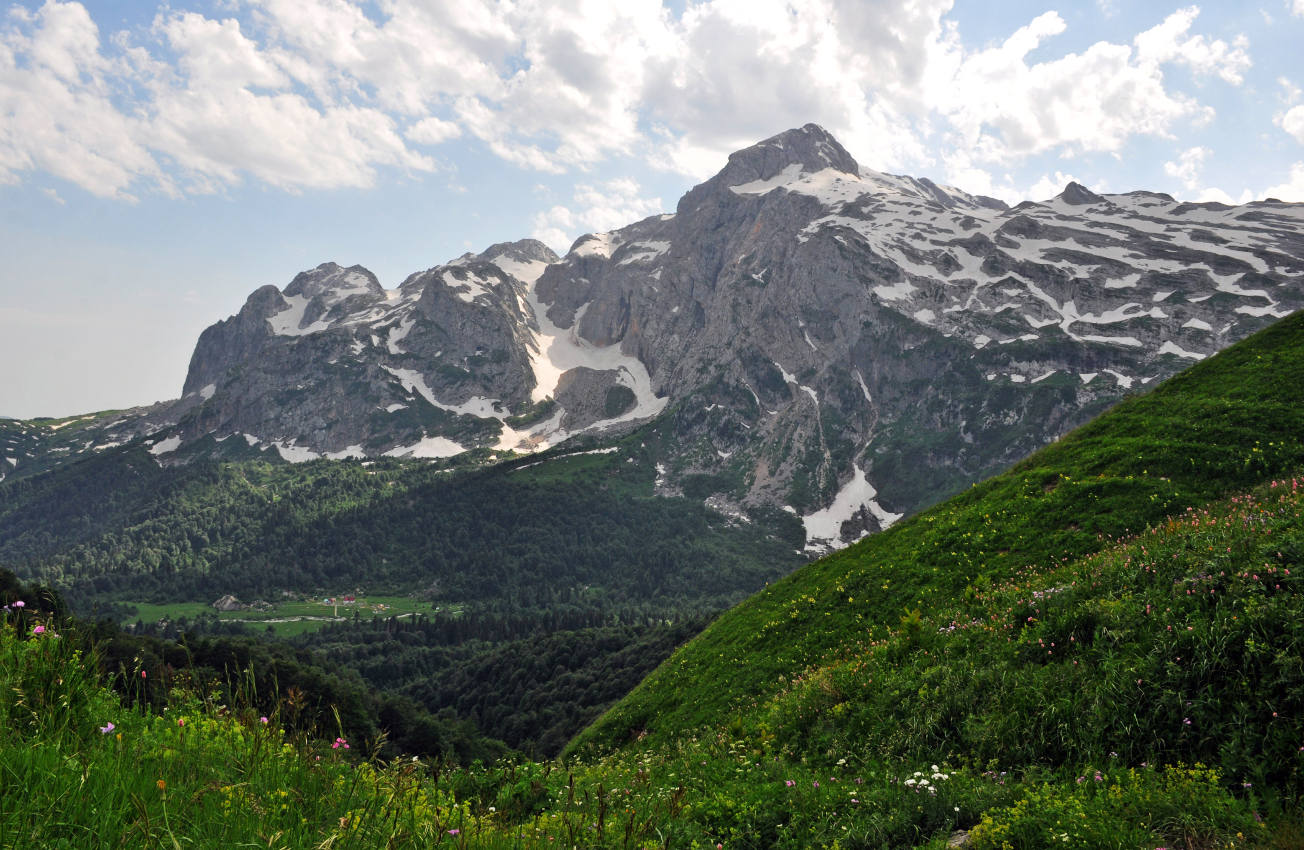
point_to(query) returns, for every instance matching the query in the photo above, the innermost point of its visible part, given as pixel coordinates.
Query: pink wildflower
(107, 728)
(18, 603)
(38, 630)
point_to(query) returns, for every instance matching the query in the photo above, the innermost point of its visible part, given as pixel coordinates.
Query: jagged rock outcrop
(854, 345)
(802, 333)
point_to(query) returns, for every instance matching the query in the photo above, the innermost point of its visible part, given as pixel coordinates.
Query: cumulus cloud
(744, 68)
(319, 93)
(433, 131)
(595, 208)
(1050, 185)
(1293, 122)
(1004, 108)
(1290, 93)
(1292, 189)
(1168, 42)
(1186, 167)
(223, 109)
(56, 96)
(1220, 196)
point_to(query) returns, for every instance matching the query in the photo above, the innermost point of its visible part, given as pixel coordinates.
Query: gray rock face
(336, 365)
(802, 333)
(855, 345)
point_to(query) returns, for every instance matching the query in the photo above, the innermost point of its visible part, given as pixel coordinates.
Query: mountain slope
(1222, 425)
(1058, 700)
(802, 333)
(579, 530)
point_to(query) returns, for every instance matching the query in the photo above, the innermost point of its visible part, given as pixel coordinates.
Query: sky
(160, 162)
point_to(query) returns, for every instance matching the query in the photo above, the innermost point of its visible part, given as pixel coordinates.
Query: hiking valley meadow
(827, 506)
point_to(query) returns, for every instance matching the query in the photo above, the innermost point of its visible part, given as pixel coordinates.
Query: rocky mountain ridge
(801, 333)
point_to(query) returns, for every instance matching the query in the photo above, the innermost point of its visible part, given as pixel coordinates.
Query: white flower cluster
(921, 782)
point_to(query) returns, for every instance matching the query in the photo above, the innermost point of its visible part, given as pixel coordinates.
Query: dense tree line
(529, 677)
(531, 682)
(302, 689)
(568, 578)
(120, 527)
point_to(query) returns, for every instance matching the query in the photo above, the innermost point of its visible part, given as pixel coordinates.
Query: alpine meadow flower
(107, 728)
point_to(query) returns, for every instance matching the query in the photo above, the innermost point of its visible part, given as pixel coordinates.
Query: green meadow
(1103, 647)
(288, 618)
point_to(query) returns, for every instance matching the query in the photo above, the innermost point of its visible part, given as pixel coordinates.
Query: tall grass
(962, 718)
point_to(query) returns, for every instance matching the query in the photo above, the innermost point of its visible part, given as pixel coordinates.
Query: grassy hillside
(860, 753)
(1225, 424)
(1101, 648)
(548, 547)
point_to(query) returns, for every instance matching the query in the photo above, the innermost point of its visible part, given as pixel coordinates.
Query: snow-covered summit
(804, 333)
(807, 150)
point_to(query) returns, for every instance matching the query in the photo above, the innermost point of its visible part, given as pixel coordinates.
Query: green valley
(1100, 647)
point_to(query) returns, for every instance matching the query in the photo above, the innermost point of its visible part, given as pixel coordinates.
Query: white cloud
(216, 54)
(1290, 93)
(1222, 197)
(1003, 108)
(1049, 186)
(1167, 42)
(1297, 7)
(595, 208)
(418, 54)
(743, 70)
(1293, 122)
(322, 93)
(56, 99)
(1292, 189)
(432, 131)
(1187, 166)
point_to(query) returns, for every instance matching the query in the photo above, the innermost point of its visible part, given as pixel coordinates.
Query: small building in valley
(228, 603)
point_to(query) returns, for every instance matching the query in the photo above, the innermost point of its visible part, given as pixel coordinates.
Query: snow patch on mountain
(596, 245)
(427, 447)
(558, 350)
(824, 527)
(1170, 347)
(288, 321)
(162, 447)
(644, 251)
(413, 382)
(397, 334)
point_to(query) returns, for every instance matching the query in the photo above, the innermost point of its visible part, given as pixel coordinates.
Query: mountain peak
(527, 250)
(811, 147)
(1077, 195)
(333, 278)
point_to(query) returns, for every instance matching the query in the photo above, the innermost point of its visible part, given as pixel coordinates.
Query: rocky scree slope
(802, 333)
